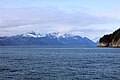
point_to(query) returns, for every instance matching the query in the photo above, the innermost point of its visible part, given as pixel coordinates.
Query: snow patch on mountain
(53, 35)
(32, 34)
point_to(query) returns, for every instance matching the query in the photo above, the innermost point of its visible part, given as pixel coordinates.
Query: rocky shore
(110, 40)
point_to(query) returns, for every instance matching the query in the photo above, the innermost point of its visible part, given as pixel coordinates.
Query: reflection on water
(59, 63)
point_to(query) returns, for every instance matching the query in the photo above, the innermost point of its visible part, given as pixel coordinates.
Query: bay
(59, 63)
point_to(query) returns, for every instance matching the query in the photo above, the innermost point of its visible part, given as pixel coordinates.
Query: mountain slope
(33, 38)
(111, 40)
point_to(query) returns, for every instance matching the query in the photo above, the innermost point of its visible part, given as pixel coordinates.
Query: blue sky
(91, 18)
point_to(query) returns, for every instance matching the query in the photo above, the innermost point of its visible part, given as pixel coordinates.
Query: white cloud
(19, 20)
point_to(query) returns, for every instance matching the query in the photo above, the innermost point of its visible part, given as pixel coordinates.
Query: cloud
(26, 16)
(44, 20)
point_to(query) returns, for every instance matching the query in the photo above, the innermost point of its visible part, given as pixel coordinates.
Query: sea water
(59, 63)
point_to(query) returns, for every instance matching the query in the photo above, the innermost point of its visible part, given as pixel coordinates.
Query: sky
(89, 18)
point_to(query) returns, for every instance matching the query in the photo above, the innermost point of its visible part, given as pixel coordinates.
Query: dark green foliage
(116, 35)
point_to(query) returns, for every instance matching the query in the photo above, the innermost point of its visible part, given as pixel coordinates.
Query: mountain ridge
(32, 38)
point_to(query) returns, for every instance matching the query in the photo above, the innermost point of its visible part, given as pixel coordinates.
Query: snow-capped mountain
(56, 38)
(32, 34)
(38, 35)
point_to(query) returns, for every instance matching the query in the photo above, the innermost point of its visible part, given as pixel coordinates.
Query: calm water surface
(59, 63)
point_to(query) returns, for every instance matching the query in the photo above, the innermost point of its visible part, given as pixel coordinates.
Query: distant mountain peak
(32, 34)
(54, 34)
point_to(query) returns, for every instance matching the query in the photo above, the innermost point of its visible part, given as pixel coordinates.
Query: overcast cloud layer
(46, 20)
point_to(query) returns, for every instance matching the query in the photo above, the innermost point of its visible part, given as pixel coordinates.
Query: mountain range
(32, 38)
